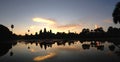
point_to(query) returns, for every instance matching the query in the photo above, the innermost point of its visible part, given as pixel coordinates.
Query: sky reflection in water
(73, 51)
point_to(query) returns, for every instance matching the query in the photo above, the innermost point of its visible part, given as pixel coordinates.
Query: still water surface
(59, 51)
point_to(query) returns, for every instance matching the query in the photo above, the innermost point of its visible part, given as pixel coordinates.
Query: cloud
(56, 27)
(108, 21)
(68, 26)
(44, 20)
(40, 58)
(71, 27)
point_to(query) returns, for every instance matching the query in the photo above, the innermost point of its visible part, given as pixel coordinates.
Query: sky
(57, 15)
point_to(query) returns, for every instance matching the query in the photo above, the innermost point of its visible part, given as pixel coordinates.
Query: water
(59, 51)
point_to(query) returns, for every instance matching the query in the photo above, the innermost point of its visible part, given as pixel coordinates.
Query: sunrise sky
(58, 15)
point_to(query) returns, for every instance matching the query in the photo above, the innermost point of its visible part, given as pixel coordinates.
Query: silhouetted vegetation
(12, 26)
(116, 13)
(97, 33)
(100, 33)
(45, 39)
(5, 33)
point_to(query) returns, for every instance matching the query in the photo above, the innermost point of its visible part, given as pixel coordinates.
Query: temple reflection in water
(58, 49)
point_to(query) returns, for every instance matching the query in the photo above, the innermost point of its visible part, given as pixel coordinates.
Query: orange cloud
(56, 27)
(44, 20)
(40, 58)
(108, 21)
(71, 27)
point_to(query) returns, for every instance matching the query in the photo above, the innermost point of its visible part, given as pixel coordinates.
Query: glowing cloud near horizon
(44, 20)
(108, 21)
(71, 27)
(53, 25)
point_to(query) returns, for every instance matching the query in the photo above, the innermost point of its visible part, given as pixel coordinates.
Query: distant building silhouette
(45, 30)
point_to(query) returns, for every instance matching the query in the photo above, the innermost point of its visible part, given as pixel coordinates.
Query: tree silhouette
(116, 14)
(5, 33)
(12, 26)
(99, 30)
(28, 31)
(85, 30)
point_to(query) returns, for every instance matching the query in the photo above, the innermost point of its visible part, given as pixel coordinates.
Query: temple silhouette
(96, 34)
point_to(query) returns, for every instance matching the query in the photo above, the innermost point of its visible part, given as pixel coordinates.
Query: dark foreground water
(59, 51)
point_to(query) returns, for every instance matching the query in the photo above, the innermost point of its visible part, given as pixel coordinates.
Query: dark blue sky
(86, 13)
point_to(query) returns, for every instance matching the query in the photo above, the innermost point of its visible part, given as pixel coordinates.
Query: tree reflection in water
(99, 45)
(5, 46)
(114, 46)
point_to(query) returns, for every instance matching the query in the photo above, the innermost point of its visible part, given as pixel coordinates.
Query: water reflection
(5, 46)
(85, 46)
(96, 44)
(111, 47)
(99, 45)
(65, 49)
(40, 58)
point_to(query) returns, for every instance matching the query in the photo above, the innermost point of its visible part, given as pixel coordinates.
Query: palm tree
(28, 31)
(116, 14)
(12, 26)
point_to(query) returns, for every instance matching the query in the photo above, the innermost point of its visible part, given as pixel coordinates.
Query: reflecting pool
(57, 50)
